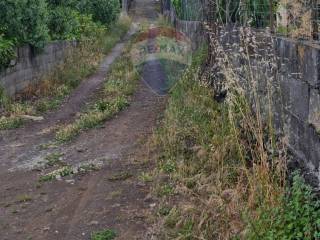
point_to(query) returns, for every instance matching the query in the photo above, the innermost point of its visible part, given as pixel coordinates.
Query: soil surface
(113, 197)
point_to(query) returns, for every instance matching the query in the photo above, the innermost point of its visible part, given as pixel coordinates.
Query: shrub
(25, 21)
(7, 52)
(64, 3)
(67, 23)
(64, 23)
(104, 11)
(297, 217)
(177, 5)
(89, 29)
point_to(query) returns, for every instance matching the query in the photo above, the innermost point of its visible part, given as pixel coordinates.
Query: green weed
(54, 159)
(91, 119)
(61, 172)
(172, 218)
(10, 123)
(146, 177)
(120, 84)
(296, 217)
(164, 210)
(104, 235)
(164, 190)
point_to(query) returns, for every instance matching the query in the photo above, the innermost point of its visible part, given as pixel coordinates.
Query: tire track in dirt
(73, 208)
(19, 146)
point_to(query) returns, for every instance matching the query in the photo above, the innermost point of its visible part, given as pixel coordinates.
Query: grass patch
(104, 235)
(120, 84)
(59, 173)
(54, 159)
(49, 93)
(164, 190)
(145, 177)
(11, 122)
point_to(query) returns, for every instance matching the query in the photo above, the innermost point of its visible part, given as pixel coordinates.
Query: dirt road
(113, 197)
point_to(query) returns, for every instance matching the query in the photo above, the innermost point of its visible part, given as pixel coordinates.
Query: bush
(68, 24)
(64, 23)
(7, 52)
(297, 217)
(177, 6)
(104, 11)
(64, 3)
(88, 29)
(25, 21)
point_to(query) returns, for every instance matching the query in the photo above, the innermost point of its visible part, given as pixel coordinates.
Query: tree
(104, 11)
(25, 21)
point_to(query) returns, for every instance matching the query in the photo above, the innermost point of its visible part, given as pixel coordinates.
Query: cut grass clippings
(49, 93)
(120, 84)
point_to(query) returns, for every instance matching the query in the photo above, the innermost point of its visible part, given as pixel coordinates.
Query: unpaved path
(19, 147)
(74, 207)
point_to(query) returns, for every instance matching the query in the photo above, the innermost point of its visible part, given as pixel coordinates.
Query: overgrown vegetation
(120, 85)
(82, 60)
(226, 173)
(296, 217)
(24, 21)
(37, 22)
(7, 51)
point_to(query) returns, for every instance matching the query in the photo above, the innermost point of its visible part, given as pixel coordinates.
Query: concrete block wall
(31, 66)
(294, 67)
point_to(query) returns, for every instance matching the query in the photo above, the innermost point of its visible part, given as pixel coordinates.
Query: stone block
(314, 109)
(313, 148)
(309, 62)
(299, 99)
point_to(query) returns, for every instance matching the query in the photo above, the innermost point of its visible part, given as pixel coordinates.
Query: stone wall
(31, 65)
(192, 29)
(292, 68)
(289, 70)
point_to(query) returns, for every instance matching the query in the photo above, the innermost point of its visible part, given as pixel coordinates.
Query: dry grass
(298, 16)
(220, 158)
(119, 86)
